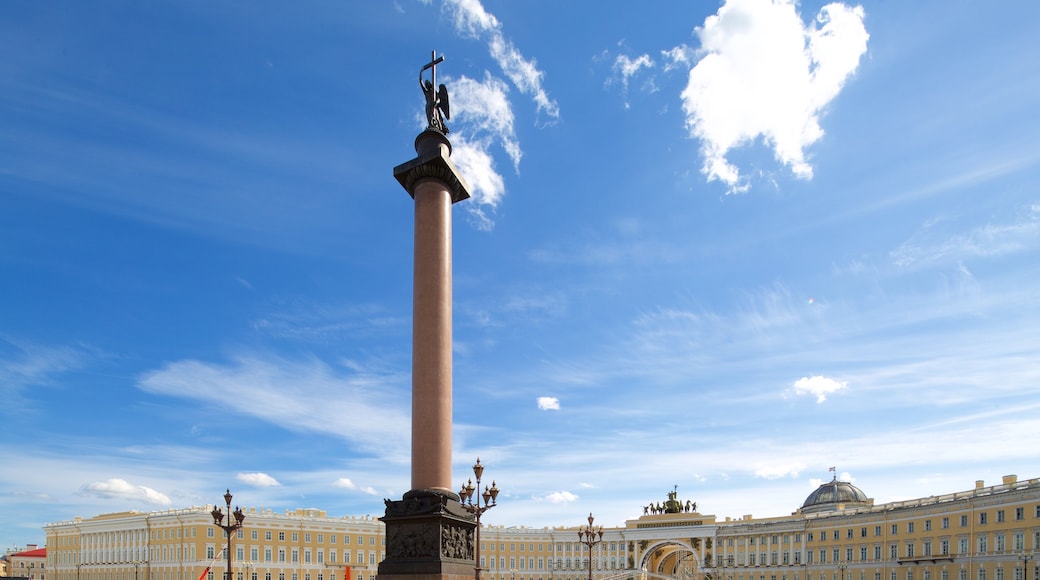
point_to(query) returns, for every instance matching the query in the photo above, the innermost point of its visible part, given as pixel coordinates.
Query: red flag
(347, 575)
(204, 572)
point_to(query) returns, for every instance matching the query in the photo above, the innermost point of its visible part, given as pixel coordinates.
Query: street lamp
(843, 566)
(218, 520)
(490, 496)
(1025, 558)
(137, 564)
(590, 537)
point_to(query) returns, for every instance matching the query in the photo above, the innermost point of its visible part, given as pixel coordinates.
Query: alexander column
(429, 535)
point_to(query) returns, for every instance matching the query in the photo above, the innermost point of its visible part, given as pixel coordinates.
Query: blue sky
(723, 246)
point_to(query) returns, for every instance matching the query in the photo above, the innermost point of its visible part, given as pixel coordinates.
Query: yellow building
(986, 533)
(304, 544)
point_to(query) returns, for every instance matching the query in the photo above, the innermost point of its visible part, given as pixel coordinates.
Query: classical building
(838, 533)
(303, 544)
(30, 563)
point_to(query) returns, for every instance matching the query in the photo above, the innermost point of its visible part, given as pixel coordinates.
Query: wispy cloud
(24, 363)
(472, 20)
(626, 67)
(932, 246)
(297, 395)
(765, 74)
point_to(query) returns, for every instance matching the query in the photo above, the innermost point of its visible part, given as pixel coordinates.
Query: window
(910, 550)
(963, 547)
(928, 525)
(983, 545)
(306, 537)
(209, 532)
(982, 521)
(945, 523)
(332, 538)
(927, 547)
(909, 527)
(1019, 540)
(1000, 516)
(892, 552)
(295, 536)
(281, 536)
(964, 522)
(1000, 543)
(863, 532)
(877, 530)
(877, 552)
(360, 541)
(849, 534)
(253, 535)
(895, 529)
(267, 536)
(863, 554)
(836, 535)
(944, 547)
(371, 540)
(810, 534)
(1020, 513)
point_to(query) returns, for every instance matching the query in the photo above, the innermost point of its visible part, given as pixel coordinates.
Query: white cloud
(472, 20)
(346, 483)
(779, 470)
(764, 74)
(548, 404)
(819, 386)
(558, 497)
(257, 479)
(123, 490)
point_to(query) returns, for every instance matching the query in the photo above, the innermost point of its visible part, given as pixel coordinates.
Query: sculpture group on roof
(672, 506)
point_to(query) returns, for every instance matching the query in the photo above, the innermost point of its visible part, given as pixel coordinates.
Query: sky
(723, 246)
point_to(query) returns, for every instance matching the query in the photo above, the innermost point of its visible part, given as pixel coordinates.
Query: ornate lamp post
(231, 526)
(1025, 558)
(590, 537)
(490, 496)
(843, 566)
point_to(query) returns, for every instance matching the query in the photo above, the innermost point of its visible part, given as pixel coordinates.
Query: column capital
(433, 162)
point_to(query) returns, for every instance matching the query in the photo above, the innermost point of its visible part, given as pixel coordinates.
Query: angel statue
(437, 106)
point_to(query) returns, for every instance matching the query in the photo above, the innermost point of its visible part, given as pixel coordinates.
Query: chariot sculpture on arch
(437, 105)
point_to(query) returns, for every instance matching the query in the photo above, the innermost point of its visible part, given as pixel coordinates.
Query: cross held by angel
(437, 104)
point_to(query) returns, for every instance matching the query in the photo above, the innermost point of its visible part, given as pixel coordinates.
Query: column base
(429, 536)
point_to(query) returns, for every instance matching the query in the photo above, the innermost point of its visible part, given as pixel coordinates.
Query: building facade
(303, 544)
(986, 533)
(30, 563)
